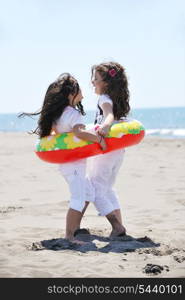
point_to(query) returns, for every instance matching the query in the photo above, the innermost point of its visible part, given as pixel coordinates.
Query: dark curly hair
(55, 101)
(117, 86)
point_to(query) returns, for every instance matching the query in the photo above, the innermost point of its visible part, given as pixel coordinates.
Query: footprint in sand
(179, 259)
(4, 210)
(155, 269)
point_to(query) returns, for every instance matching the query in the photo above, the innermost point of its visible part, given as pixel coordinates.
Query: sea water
(161, 122)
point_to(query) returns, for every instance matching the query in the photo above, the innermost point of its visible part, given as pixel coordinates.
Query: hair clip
(112, 72)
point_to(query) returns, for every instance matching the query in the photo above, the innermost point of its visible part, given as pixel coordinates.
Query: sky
(40, 39)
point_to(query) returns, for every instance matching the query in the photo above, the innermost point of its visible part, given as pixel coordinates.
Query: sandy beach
(34, 201)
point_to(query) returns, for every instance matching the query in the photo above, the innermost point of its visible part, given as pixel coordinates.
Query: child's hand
(82, 126)
(102, 143)
(103, 130)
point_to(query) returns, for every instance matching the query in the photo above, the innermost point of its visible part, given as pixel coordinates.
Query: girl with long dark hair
(110, 83)
(61, 112)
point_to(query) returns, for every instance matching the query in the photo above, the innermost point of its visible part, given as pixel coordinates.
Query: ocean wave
(161, 132)
(167, 132)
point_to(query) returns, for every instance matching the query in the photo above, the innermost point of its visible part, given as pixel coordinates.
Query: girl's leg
(117, 228)
(103, 176)
(112, 194)
(74, 174)
(117, 213)
(89, 196)
(82, 213)
(72, 220)
(84, 209)
(115, 203)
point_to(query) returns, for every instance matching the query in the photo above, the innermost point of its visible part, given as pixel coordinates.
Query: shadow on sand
(97, 243)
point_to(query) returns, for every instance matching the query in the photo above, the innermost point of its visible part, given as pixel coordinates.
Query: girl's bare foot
(117, 228)
(118, 233)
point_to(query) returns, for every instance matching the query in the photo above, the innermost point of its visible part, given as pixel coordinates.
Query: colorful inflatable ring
(67, 147)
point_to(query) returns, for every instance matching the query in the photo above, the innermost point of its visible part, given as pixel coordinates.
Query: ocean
(168, 122)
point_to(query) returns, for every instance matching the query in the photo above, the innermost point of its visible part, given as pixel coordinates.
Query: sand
(34, 201)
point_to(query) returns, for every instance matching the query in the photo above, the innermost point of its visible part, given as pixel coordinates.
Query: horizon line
(91, 109)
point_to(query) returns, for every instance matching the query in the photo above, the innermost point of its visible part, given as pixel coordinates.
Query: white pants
(80, 187)
(102, 171)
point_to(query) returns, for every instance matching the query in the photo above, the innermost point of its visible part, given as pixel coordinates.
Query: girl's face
(74, 101)
(98, 83)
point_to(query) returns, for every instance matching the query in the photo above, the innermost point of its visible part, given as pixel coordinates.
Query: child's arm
(109, 119)
(80, 132)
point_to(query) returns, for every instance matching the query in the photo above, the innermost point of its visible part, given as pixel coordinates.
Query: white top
(99, 119)
(69, 118)
(104, 99)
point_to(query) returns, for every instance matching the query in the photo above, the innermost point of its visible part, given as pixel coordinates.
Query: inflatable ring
(66, 147)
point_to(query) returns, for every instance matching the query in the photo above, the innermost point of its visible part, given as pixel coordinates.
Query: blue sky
(39, 39)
